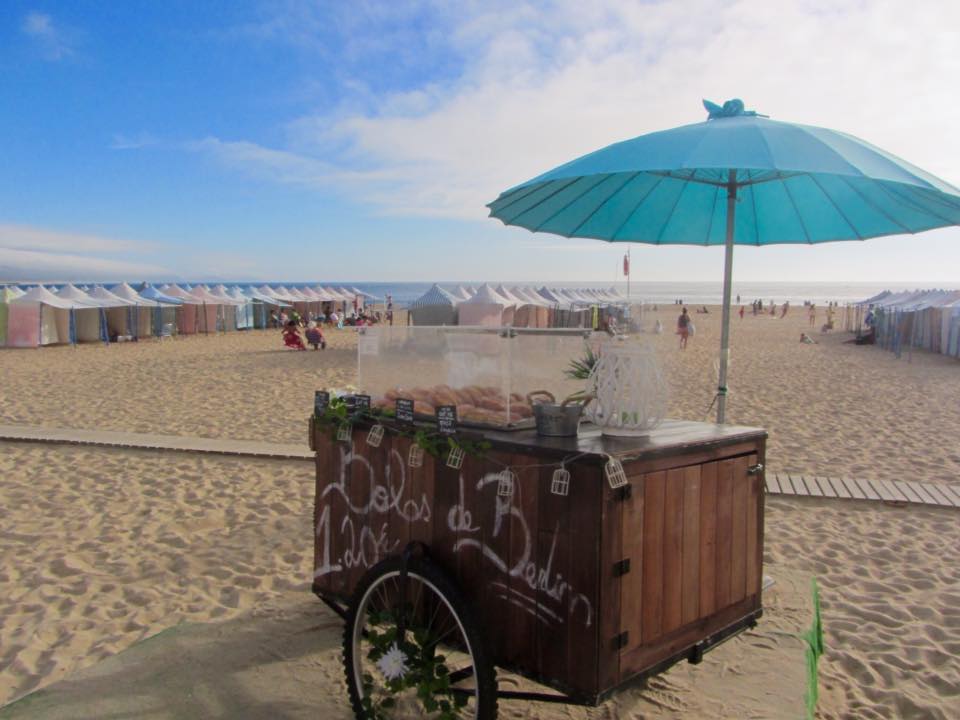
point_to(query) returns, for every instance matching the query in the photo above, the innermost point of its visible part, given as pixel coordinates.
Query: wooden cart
(581, 587)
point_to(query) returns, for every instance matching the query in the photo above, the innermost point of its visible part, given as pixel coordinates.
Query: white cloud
(30, 265)
(546, 83)
(34, 253)
(53, 41)
(26, 237)
(133, 142)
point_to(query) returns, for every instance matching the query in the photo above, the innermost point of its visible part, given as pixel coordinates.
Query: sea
(664, 292)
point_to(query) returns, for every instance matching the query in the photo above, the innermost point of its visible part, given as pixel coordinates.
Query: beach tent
(485, 308)
(191, 315)
(89, 316)
(263, 305)
(144, 317)
(217, 313)
(117, 312)
(7, 293)
(322, 294)
(461, 293)
(38, 317)
(435, 307)
(246, 308)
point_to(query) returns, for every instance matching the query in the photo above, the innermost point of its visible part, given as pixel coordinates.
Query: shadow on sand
(277, 663)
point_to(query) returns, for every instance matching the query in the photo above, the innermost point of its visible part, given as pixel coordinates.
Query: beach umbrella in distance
(736, 178)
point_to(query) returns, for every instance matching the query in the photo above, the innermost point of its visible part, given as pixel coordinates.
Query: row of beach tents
(927, 319)
(45, 315)
(517, 307)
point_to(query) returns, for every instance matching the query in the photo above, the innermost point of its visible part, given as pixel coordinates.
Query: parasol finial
(731, 108)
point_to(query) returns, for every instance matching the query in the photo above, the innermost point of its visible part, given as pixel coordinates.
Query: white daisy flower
(393, 663)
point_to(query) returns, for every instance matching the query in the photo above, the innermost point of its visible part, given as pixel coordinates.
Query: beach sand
(102, 548)
(831, 409)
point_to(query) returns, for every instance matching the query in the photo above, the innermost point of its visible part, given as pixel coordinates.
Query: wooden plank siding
(539, 568)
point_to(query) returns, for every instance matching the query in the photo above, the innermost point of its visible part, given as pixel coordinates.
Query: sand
(103, 548)
(831, 409)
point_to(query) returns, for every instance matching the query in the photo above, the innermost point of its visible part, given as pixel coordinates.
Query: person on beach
(291, 336)
(390, 309)
(315, 336)
(786, 306)
(806, 339)
(741, 312)
(274, 320)
(683, 328)
(812, 314)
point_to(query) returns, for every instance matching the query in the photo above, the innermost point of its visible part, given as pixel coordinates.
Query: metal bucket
(556, 419)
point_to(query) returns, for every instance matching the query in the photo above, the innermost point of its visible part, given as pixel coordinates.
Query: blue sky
(331, 140)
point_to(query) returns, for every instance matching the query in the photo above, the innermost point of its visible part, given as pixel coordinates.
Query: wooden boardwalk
(143, 441)
(893, 491)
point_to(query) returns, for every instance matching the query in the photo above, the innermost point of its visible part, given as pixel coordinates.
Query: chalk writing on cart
(366, 540)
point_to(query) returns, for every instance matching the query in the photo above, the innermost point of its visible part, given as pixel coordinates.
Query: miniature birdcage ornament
(506, 483)
(415, 456)
(455, 458)
(560, 482)
(375, 436)
(344, 432)
(616, 476)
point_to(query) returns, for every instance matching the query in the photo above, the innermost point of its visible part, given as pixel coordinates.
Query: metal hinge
(755, 469)
(621, 568)
(620, 641)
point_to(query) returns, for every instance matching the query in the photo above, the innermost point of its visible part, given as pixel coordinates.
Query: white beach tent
(322, 294)
(486, 308)
(89, 317)
(38, 317)
(246, 309)
(460, 293)
(435, 307)
(118, 312)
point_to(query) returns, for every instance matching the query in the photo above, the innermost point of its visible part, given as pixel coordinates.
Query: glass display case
(488, 373)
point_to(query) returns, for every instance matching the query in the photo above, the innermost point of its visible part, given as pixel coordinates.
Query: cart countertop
(670, 437)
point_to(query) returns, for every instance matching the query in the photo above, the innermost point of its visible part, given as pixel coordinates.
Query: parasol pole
(727, 282)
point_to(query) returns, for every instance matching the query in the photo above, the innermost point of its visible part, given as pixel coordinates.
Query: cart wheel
(412, 648)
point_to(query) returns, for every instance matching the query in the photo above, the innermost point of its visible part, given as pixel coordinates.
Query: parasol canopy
(737, 178)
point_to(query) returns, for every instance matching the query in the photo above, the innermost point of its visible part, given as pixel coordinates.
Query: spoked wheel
(412, 648)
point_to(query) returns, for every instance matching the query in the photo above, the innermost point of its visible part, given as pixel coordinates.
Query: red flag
(626, 265)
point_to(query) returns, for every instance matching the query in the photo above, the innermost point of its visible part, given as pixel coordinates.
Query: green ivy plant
(426, 671)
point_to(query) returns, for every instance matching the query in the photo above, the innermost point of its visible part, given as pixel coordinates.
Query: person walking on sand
(741, 312)
(786, 306)
(812, 314)
(683, 328)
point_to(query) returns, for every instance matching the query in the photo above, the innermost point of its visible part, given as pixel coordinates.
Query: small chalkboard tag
(405, 411)
(321, 401)
(447, 419)
(362, 403)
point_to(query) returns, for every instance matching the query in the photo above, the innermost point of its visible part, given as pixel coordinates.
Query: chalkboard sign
(405, 411)
(447, 419)
(363, 403)
(351, 402)
(321, 401)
